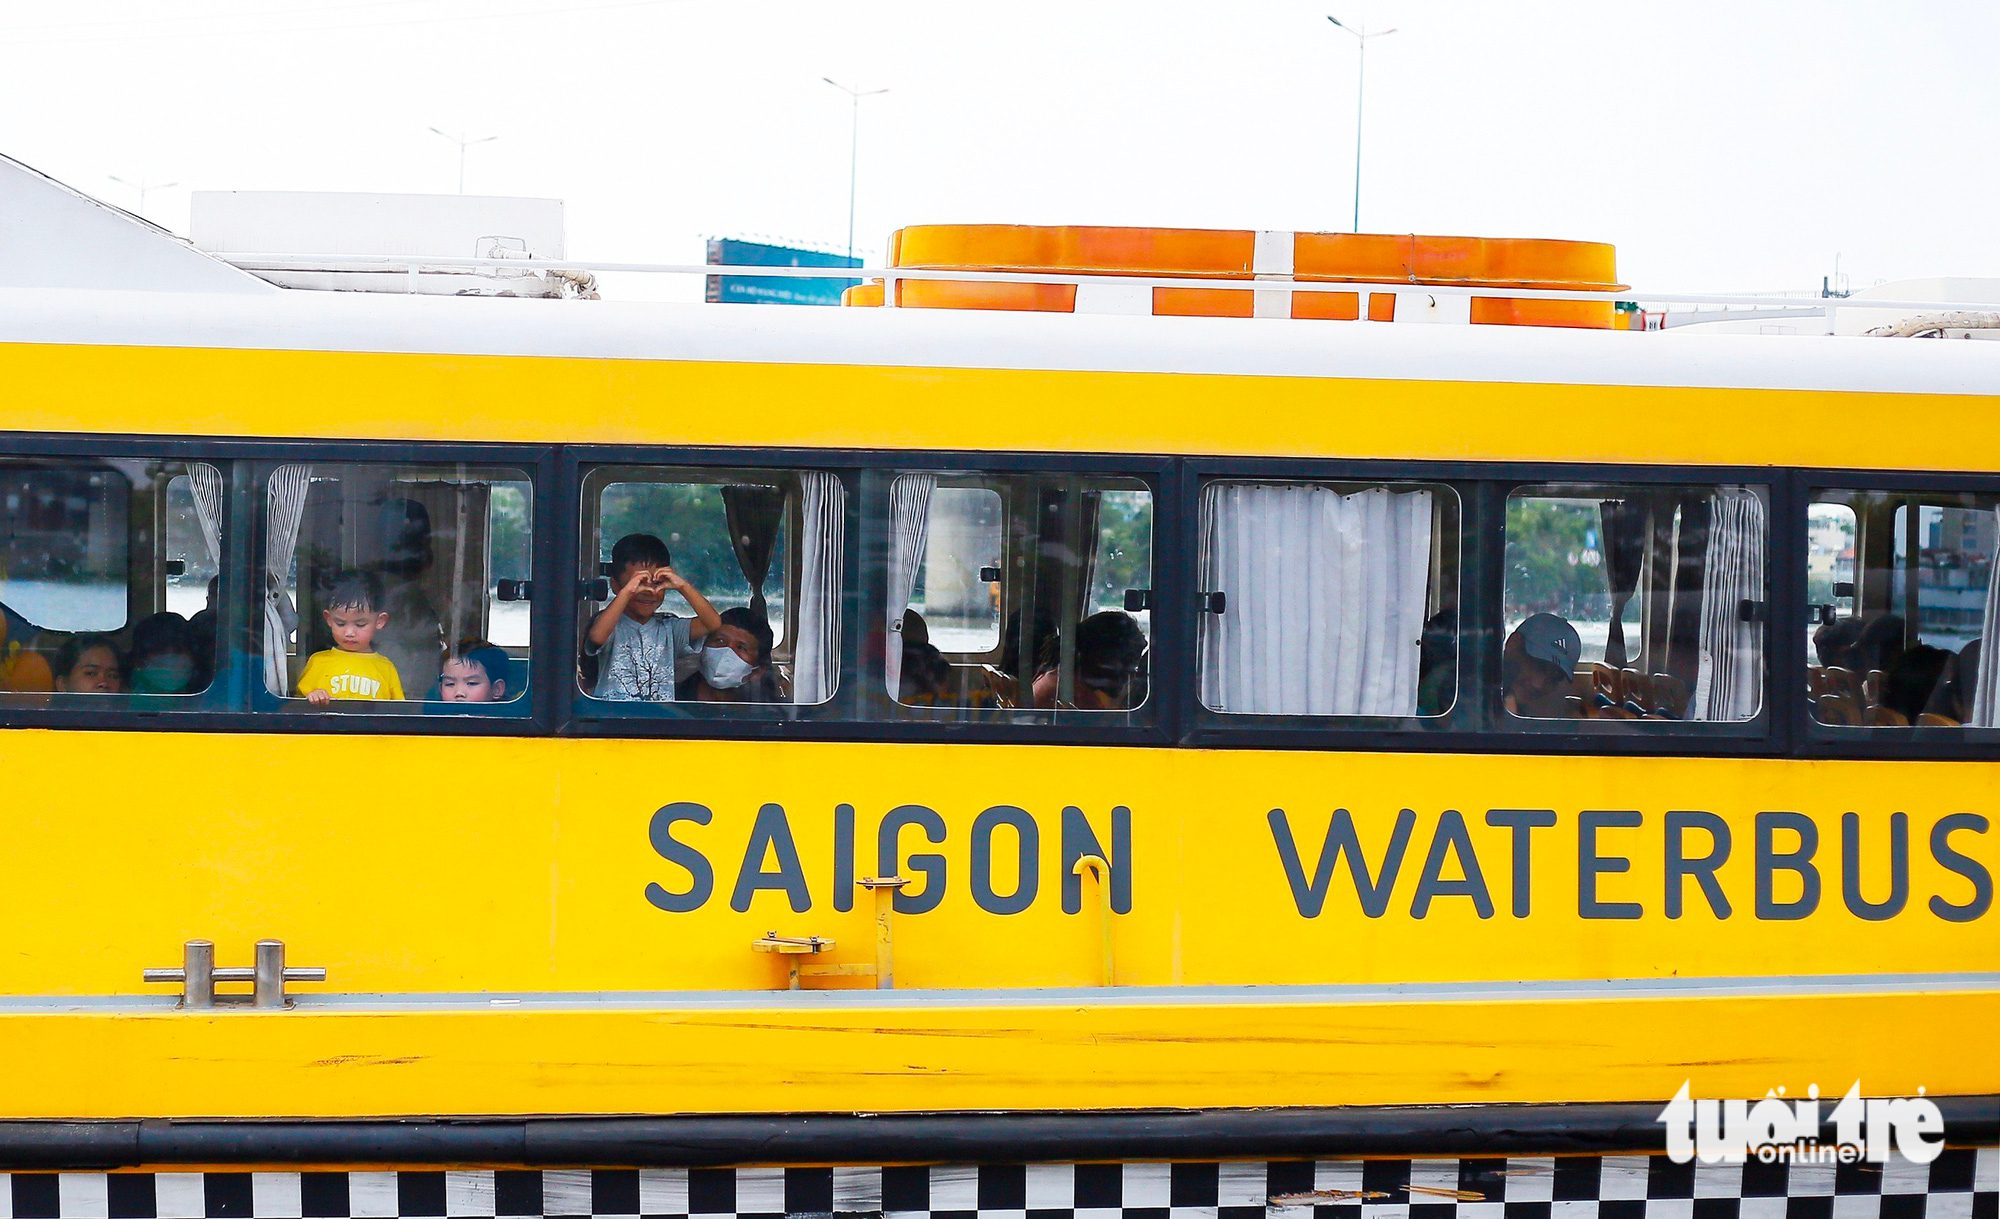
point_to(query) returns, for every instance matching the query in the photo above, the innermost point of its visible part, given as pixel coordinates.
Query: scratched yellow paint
(1057, 1056)
(336, 395)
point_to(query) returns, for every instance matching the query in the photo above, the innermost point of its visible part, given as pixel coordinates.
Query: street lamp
(142, 186)
(1361, 36)
(463, 144)
(853, 150)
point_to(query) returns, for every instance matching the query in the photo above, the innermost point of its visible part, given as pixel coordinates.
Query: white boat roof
(75, 271)
(53, 236)
(292, 320)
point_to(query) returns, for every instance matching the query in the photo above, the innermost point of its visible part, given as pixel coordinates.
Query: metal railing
(890, 276)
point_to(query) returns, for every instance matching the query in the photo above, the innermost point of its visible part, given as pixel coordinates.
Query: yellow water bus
(1161, 764)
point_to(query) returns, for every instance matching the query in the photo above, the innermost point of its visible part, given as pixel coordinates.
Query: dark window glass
(710, 588)
(1012, 597)
(1635, 603)
(964, 537)
(397, 587)
(1902, 597)
(106, 570)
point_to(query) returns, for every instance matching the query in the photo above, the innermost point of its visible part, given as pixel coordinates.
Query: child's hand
(319, 698)
(642, 580)
(671, 579)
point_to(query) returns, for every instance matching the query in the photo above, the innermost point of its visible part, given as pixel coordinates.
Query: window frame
(1767, 712)
(1064, 724)
(1203, 719)
(585, 715)
(1915, 742)
(211, 710)
(538, 462)
(259, 704)
(1474, 724)
(1482, 487)
(845, 717)
(228, 705)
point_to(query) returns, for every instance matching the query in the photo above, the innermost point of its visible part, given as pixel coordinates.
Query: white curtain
(205, 485)
(1729, 681)
(909, 523)
(281, 542)
(1324, 598)
(816, 656)
(1986, 682)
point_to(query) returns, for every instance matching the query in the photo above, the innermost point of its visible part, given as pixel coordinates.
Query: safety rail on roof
(414, 265)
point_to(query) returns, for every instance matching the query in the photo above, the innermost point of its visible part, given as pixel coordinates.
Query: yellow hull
(482, 907)
(768, 1058)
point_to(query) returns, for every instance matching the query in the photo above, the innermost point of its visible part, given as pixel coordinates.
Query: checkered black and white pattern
(1960, 1184)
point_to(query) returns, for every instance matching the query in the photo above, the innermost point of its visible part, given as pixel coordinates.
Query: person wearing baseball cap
(1535, 669)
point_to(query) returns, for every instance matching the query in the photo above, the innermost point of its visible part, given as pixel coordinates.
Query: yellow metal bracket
(885, 889)
(883, 970)
(792, 947)
(1099, 871)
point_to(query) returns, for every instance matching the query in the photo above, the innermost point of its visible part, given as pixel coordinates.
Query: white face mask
(723, 668)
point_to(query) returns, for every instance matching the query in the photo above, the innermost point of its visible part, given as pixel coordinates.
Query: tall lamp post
(1361, 36)
(142, 186)
(853, 150)
(463, 144)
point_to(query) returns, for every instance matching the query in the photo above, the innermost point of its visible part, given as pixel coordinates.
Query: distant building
(1830, 542)
(773, 290)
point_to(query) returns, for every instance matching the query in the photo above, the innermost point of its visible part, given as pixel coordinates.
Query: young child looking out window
(351, 669)
(640, 645)
(475, 672)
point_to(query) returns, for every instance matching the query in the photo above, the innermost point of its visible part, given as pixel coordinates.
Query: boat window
(1011, 596)
(710, 588)
(105, 581)
(1897, 629)
(1329, 599)
(1634, 603)
(397, 587)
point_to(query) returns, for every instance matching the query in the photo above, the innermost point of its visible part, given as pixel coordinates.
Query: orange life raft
(1245, 254)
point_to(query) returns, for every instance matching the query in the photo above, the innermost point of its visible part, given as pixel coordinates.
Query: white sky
(1722, 147)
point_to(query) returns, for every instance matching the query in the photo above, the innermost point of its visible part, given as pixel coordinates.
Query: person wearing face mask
(735, 663)
(165, 658)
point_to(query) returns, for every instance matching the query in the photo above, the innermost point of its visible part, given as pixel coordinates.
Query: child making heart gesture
(638, 643)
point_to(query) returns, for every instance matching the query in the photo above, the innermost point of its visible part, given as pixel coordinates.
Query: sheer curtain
(1324, 598)
(281, 542)
(205, 487)
(1729, 682)
(1986, 681)
(909, 523)
(822, 536)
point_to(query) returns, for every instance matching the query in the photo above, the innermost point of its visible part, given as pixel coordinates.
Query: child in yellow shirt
(351, 669)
